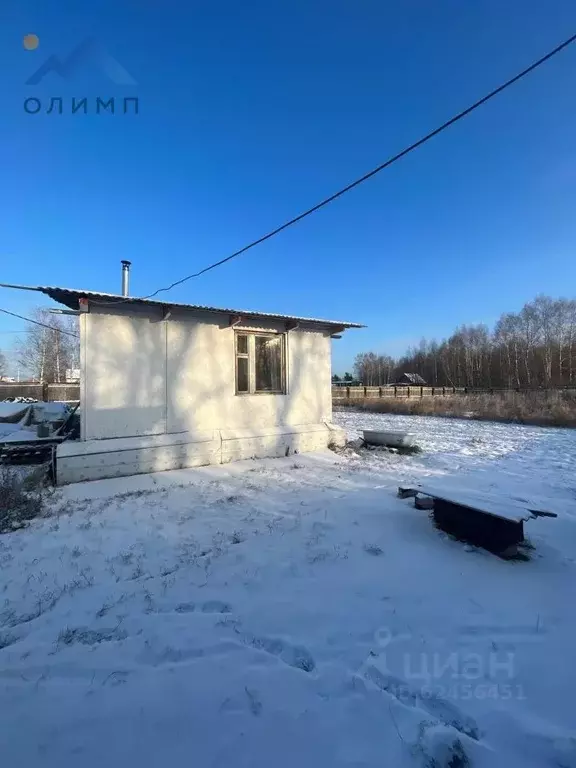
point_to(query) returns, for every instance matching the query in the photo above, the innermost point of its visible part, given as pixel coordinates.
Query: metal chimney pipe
(125, 277)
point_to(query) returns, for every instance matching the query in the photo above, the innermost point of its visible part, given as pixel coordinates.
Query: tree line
(533, 348)
(347, 378)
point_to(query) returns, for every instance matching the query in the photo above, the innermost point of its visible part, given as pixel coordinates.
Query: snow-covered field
(295, 612)
(512, 459)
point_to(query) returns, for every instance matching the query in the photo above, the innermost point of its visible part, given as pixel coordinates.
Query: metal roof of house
(70, 298)
(414, 378)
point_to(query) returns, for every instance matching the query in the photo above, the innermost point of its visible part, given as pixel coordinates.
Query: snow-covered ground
(530, 463)
(295, 612)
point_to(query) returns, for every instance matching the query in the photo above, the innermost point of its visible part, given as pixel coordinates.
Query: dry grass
(17, 505)
(550, 409)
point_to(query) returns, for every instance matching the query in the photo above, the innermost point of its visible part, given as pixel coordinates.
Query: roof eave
(70, 297)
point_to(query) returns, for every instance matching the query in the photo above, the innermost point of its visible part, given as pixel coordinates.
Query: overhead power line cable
(37, 322)
(464, 113)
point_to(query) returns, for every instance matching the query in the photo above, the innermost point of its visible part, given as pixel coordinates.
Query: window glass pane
(268, 360)
(242, 345)
(242, 374)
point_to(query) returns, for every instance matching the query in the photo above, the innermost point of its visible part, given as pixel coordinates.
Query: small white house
(166, 386)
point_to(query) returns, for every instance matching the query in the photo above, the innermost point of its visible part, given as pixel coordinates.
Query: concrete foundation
(83, 460)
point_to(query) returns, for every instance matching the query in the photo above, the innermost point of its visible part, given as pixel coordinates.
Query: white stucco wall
(142, 375)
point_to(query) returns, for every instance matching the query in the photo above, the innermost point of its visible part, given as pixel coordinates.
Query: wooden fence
(364, 393)
(45, 392)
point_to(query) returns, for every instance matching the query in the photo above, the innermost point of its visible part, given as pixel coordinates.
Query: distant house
(352, 383)
(410, 380)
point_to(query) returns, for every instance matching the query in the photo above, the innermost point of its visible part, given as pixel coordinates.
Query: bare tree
(373, 370)
(46, 353)
(571, 340)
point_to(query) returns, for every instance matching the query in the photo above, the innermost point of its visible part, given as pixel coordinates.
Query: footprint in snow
(293, 655)
(185, 608)
(211, 606)
(215, 606)
(439, 708)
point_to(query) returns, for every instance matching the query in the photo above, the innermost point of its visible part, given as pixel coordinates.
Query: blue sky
(251, 112)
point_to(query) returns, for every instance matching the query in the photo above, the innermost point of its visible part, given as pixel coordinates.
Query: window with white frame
(260, 363)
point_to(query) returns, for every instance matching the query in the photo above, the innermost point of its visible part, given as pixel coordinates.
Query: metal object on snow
(390, 439)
